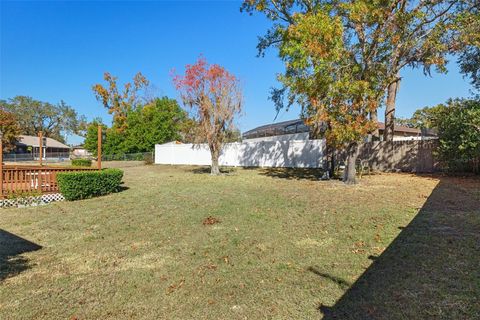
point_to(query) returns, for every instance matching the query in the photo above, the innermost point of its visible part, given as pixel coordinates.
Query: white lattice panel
(47, 198)
(31, 201)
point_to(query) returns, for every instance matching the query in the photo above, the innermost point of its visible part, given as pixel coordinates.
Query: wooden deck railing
(32, 179)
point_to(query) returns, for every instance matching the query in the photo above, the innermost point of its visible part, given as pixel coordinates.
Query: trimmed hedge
(87, 184)
(81, 162)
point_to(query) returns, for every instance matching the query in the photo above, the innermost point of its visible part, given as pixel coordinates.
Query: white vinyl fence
(293, 154)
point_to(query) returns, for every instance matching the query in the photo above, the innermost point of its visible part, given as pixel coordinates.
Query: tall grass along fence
(18, 180)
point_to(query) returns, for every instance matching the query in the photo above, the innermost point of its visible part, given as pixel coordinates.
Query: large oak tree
(332, 69)
(386, 35)
(422, 34)
(54, 120)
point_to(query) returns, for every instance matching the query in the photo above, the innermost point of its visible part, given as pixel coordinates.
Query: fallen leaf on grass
(379, 249)
(174, 286)
(211, 267)
(210, 220)
(358, 251)
(359, 244)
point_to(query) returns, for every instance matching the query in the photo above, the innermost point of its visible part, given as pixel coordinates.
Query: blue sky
(57, 50)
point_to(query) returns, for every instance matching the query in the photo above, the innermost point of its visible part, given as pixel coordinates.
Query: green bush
(88, 184)
(81, 162)
(458, 126)
(148, 158)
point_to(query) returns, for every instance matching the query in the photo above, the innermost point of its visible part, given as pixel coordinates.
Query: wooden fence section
(32, 179)
(406, 156)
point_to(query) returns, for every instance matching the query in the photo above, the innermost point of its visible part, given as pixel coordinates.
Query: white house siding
(413, 138)
(293, 153)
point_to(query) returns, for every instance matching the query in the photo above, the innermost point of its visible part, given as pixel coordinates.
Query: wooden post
(1, 166)
(40, 153)
(99, 147)
(40, 143)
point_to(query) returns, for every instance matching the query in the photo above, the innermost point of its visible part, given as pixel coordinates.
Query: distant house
(29, 146)
(80, 152)
(298, 130)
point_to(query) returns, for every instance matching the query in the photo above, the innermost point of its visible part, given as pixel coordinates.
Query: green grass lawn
(286, 246)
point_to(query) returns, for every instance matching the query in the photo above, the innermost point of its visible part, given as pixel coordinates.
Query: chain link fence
(147, 157)
(59, 157)
(49, 157)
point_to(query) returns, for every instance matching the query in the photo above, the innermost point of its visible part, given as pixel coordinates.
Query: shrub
(88, 184)
(148, 158)
(81, 162)
(17, 194)
(459, 134)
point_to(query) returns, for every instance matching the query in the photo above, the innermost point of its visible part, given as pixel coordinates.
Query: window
(301, 127)
(291, 128)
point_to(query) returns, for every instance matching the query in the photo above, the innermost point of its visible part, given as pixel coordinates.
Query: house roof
(381, 126)
(280, 126)
(33, 142)
(275, 125)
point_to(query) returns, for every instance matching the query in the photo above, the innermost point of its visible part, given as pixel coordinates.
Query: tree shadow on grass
(431, 270)
(313, 174)
(339, 281)
(11, 248)
(206, 170)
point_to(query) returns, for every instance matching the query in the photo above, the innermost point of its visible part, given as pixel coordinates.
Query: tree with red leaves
(215, 97)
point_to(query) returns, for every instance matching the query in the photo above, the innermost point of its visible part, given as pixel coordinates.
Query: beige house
(29, 146)
(80, 152)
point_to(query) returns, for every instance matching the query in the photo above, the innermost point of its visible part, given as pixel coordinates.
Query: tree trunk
(215, 170)
(349, 175)
(375, 133)
(331, 169)
(329, 163)
(390, 110)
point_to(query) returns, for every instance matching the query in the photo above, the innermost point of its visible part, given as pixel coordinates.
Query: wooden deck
(19, 179)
